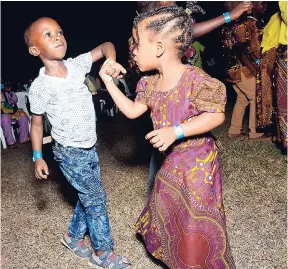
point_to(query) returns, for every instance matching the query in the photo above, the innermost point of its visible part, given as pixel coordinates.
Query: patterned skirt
(183, 223)
(280, 86)
(264, 91)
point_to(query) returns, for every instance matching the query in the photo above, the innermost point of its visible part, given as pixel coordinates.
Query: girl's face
(145, 49)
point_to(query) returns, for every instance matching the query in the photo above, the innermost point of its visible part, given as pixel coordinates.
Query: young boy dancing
(59, 90)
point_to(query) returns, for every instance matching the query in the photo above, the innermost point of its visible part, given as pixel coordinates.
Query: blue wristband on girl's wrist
(37, 154)
(179, 132)
(227, 17)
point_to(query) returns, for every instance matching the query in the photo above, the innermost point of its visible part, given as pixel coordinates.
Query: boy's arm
(37, 138)
(106, 49)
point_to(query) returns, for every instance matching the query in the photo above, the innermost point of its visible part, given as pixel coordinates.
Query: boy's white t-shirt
(67, 102)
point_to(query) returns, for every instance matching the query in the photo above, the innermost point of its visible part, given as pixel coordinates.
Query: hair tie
(188, 11)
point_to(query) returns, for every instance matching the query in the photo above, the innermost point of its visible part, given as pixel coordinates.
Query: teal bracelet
(257, 61)
(37, 154)
(227, 17)
(179, 132)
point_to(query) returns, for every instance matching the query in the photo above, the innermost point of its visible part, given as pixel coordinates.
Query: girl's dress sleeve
(141, 91)
(209, 96)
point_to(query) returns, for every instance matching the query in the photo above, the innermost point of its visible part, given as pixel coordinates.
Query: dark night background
(85, 25)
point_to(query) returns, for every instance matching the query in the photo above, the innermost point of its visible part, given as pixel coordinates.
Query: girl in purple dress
(183, 223)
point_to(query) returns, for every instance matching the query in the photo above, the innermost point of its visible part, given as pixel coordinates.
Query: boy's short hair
(27, 34)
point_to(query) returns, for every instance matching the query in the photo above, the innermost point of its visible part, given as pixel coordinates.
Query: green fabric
(199, 48)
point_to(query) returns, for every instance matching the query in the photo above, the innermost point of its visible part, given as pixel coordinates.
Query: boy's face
(47, 40)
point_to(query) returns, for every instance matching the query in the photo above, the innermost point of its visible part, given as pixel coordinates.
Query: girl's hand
(103, 73)
(116, 70)
(111, 69)
(236, 12)
(162, 138)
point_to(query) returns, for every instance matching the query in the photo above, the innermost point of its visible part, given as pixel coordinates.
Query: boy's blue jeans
(81, 169)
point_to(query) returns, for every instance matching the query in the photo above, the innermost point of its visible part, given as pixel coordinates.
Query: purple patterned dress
(183, 223)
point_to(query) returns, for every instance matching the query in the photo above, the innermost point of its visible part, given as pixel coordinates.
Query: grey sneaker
(109, 260)
(76, 246)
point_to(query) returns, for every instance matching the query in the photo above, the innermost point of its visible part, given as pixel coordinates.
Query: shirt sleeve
(141, 91)
(210, 96)
(38, 98)
(12, 98)
(83, 61)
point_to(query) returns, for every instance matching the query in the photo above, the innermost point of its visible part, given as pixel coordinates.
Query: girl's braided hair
(171, 20)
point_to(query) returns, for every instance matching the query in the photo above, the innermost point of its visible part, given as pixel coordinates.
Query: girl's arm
(204, 123)
(129, 108)
(205, 27)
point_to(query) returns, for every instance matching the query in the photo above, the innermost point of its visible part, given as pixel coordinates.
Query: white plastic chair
(22, 103)
(102, 104)
(3, 140)
(12, 129)
(127, 91)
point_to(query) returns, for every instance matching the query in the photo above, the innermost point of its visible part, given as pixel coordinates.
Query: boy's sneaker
(76, 246)
(109, 260)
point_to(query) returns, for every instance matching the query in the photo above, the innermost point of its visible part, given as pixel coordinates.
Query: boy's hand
(236, 12)
(116, 69)
(162, 138)
(41, 169)
(111, 69)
